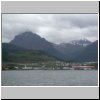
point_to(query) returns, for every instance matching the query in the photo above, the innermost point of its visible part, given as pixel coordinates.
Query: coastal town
(57, 65)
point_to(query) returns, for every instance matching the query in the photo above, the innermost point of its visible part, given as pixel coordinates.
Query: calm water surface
(49, 78)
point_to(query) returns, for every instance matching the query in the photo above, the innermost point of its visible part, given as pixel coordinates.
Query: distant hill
(89, 53)
(67, 49)
(72, 48)
(9, 48)
(79, 50)
(6, 47)
(12, 53)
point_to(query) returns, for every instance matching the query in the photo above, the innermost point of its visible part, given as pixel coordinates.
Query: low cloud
(56, 28)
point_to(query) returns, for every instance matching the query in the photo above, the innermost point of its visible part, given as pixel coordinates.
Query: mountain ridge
(12, 53)
(31, 41)
(65, 51)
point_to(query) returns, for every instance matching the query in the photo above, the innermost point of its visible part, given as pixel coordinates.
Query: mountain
(72, 46)
(32, 41)
(9, 48)
(76, 50)
(12, 53)
(89, 53)
(82, 42)
(6, 48)
(68, 49)
(79, 50)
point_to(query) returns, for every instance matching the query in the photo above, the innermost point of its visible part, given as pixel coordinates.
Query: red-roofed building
(83, 67)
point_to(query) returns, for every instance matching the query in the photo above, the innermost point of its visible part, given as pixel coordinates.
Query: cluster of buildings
(47, 66)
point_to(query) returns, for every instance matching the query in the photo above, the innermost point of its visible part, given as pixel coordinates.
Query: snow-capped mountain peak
(82, 42)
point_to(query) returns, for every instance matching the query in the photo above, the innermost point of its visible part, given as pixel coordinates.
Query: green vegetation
(27, 57)
(12, 53)
(12, 68)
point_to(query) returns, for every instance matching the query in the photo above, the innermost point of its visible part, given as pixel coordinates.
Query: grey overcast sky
(56, 28)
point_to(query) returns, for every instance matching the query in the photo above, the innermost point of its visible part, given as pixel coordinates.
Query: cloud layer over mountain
(56, 28)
